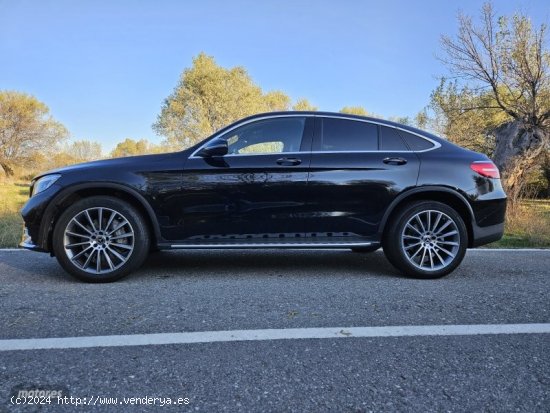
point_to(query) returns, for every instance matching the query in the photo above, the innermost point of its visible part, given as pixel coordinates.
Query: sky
(105, 67)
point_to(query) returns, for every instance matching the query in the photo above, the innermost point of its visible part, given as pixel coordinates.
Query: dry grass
(527, 225)
(13, 195)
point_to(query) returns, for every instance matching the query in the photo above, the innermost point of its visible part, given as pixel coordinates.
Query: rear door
(357, 169)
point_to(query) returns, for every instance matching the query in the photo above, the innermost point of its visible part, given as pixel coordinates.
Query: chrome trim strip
(274, 245)
(309, 115)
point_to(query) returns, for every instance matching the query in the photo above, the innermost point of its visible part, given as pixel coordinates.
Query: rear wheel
(427, 239)
(100, 239)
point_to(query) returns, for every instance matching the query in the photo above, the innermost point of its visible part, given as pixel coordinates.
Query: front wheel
(100, 239)
(427, 239)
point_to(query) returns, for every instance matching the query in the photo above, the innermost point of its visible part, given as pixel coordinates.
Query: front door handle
(395, 161)
(289, 161)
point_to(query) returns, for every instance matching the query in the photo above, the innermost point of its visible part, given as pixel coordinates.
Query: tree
(354, 110)
(303, 104)
(503, 66)
(26, 127)
(83, 150)
(207, 98)
(131, 147)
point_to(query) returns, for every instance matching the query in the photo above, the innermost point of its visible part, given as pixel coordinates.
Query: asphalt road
(275, 289)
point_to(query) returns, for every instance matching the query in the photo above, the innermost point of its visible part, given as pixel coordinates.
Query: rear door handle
(289, 161)
(395, 161)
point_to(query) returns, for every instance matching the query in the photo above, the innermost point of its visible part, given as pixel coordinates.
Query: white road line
(271, 334)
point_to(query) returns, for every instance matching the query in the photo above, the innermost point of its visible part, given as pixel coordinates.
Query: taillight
(486, 168)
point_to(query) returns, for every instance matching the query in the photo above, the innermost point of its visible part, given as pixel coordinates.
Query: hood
(114, 163)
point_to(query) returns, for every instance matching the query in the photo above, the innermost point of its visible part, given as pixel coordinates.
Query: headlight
(44, 183)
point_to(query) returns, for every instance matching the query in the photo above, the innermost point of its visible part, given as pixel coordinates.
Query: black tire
(430, 261)
(366, 250)
(114, 212)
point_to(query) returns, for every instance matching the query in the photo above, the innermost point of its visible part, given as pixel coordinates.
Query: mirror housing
(217, 147)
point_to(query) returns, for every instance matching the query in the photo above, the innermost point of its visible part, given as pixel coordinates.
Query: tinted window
(267, 136)
(416, 143)
(348, 135)
(390, 140)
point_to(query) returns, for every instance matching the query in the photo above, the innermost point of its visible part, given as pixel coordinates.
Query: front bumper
(28, 243)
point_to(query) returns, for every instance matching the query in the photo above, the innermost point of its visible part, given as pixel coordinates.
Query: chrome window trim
(311, 115)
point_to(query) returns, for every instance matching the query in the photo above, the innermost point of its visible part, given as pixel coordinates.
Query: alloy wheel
(430, 240)
(99, 240)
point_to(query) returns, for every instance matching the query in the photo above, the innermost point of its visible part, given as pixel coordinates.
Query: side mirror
(218, 147)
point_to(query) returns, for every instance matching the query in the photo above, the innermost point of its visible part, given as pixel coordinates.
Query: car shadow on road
(270, 262)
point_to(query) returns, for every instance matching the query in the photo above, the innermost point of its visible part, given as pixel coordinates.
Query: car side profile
(274, 180)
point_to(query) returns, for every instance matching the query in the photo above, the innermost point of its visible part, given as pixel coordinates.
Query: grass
(527, 225)
(12, 197)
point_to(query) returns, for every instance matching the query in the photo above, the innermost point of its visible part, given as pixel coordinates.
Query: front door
(255, 193)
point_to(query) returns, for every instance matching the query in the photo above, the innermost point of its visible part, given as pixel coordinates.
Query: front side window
(348, 135)
(277, 135)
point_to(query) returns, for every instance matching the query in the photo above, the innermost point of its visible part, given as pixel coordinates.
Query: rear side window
(348, 135)
(390, 140)
(416, 143)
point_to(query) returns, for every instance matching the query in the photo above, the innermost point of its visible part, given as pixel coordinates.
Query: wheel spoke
(420, 222)
(445, 225)
(82, 226)
(116, 254)
(405, 236)
(98, 261)
(431, 258)
(74, 234)
(75, 257)
(90, 220)
(436, 223)
(118, 227)
(439, 256)
(87, 262)
(448, 234)
(408, 247)
(123, 246)
(126, 235)
(77, 244)
(109, 222)
(413, 228)
(100, 218)
(111, 265)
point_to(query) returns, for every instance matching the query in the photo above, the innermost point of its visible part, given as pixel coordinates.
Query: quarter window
(414, 142)
(276, 135)
(390, 140)
(348, 135)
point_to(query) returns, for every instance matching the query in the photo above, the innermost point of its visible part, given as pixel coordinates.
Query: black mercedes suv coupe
(274, 180)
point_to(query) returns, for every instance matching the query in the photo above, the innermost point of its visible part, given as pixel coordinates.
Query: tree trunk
(518, 148)
(8, 170)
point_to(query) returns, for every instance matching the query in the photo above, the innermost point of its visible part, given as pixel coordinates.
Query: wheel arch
(448, 196)
(80, 191)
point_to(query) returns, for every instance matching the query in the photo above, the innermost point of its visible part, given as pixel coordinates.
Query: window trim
(436, 144)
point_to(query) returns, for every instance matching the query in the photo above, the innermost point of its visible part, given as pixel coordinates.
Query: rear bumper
(486, 235)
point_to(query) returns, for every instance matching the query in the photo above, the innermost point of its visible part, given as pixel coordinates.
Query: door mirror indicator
(217, 147)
